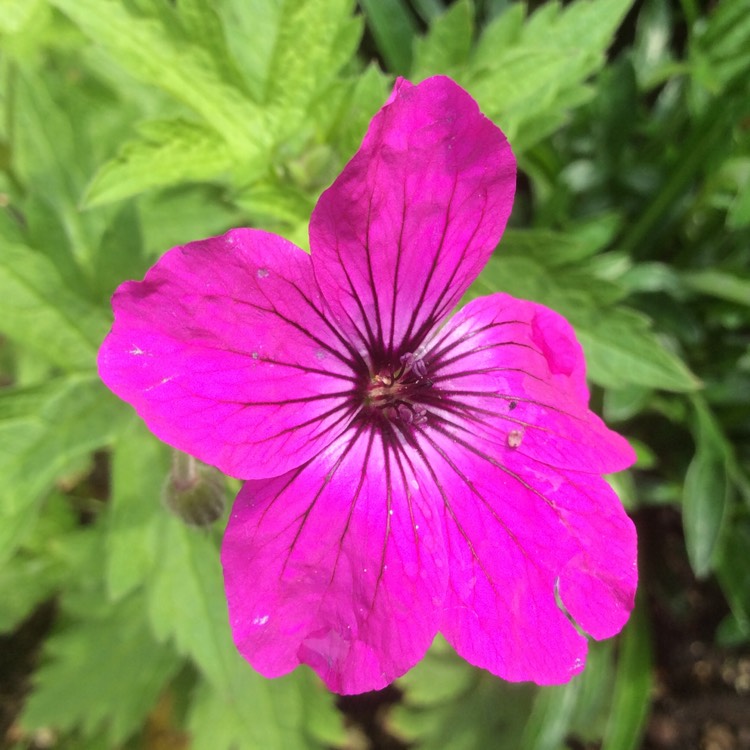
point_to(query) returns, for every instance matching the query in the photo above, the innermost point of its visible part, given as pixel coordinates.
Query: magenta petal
(339, 564)
(413, 217)
(518, 456)
(516, 533)
(226, 353)
(518, 369)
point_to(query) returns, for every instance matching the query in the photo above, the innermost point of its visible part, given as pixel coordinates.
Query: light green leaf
(169, 152)
(202, 23)
(187, 72)
(15, 14)
(446, 47)
(51, 159)
(43, 430)
(522, 73)
(103, 674)
(707, 491)
(315, 38)
(235, 707)
(294, 712)
(140, 465)
(186, 601)
(39, 312)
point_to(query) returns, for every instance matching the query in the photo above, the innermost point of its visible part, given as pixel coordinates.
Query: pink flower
(409, 474)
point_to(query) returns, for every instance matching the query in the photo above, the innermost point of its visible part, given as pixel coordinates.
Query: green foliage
(130, 126)
(101, 675)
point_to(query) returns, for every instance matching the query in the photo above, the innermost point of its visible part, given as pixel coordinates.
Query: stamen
(397, 393)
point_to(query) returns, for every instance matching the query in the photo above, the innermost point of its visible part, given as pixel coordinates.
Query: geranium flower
(408, 473)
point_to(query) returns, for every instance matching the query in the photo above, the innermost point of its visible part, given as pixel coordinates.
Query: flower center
(396, 393)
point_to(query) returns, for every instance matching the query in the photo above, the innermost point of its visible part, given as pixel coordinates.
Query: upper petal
(339, 564)
(413, 217)
(225, 351)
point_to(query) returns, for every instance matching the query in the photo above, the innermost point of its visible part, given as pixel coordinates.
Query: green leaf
(169, 152)
(235, 707)
(447, 45)
(292, 712)
(393, 27)
(51, 157)
(42, 565)
(38, 311)
(15, 14)
(43, 430)
(620, 348)
(449, 704)
(186, 601)
(631, 697)
(720, 284)
(707, 491)
(145, 48)
(316, 38)
(103, 674)
(733, 572)
(140, 465)
(531, 73)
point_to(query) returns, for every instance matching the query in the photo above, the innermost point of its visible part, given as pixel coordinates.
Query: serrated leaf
(144, 47)
(236, 706)
(38, 311)
(43, 429)
(140, 465)
(186, 602)
(169, 152)
(292, 712)
(520, 74)
(52, 162)
(103, 674)
(315, 38)
(707, 492)
(447, 45)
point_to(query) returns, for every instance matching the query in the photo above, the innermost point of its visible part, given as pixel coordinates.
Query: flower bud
(194, 492)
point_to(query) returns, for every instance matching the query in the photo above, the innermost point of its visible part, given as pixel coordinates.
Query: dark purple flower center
(398, 392)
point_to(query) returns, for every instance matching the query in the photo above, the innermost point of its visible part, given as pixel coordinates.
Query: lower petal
(518, 535)
(339, 565)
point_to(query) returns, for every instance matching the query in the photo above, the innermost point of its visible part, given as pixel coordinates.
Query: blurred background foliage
(130, 126)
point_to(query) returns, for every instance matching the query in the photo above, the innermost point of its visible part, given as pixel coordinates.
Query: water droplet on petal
(262, 273)
(255, 355)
